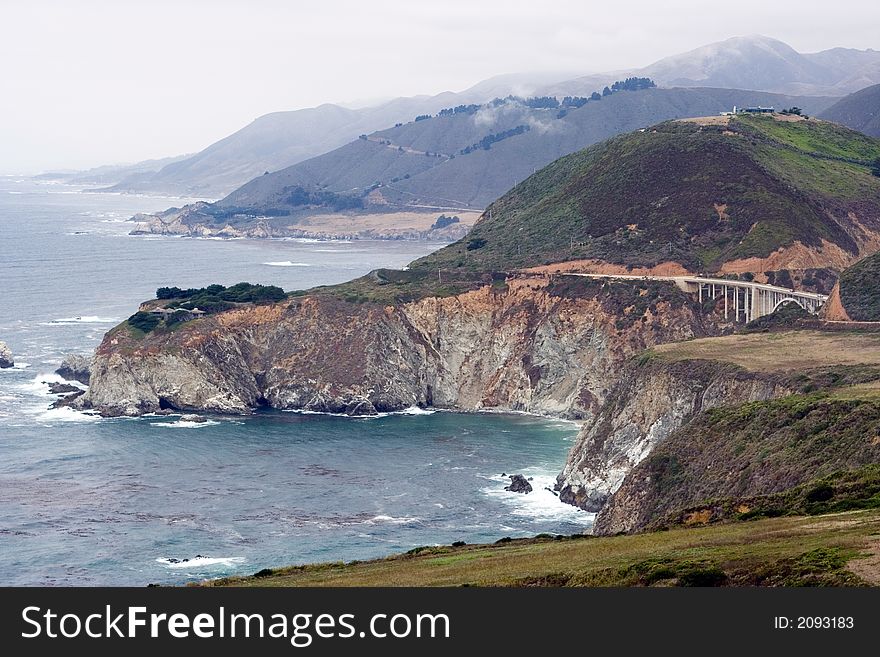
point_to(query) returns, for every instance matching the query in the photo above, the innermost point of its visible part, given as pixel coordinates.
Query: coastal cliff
(650, 402)
(795, 455)
(536, 344)
(493, 321)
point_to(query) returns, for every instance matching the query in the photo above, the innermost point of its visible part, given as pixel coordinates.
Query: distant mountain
(860, 111)
(278, 140)
(275, 141)
(434, 162)
(110, 174)
(754, 62)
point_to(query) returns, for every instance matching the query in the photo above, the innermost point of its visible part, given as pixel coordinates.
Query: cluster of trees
(875, 167)
(300, 196)
(633, 84)
(223, 213)
(549, 102)
(460, 109)
(574, 101)
(217, 298)
(443, 221)
(486, 142)
(145, 322)
(541, 102)
(211, 299)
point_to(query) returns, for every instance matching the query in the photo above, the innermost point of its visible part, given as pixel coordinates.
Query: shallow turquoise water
(101, 501)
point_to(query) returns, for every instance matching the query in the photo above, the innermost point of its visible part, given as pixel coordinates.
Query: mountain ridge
(227, 164)
(433, 163)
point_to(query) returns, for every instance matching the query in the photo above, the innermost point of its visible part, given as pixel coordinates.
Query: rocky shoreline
(380, 224)
(534, 344)
(524, 347)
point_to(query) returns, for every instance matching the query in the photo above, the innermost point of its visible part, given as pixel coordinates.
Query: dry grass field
(780, 352)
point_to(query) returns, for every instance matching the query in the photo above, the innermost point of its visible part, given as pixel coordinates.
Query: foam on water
(287, 263)
(66, 414)
(184, 424)
(415, 410)
(391, 520)
(82, 319)
(201, 562)
(541, 504)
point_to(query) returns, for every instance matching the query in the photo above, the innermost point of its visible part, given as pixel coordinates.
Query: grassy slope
(787, 351)
(648, 197)
(767, 457)
(762, 458)
(860, 290)
(821, 550)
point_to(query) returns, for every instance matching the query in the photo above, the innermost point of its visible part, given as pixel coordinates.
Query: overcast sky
(89, 82)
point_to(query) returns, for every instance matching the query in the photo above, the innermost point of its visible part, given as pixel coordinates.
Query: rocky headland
(494, 321)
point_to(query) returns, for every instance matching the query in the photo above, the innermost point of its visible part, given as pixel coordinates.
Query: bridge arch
(786, 301)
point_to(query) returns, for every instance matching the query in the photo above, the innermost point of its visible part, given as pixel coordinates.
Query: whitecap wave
(415, 410)
(66, 414)
(541, 504)
(184, 424)
(39, 385)
(391, 520)
(201, 562)
(287, 263)
(82, 319)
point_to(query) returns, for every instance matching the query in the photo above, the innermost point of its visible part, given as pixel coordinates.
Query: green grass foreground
(840, 549)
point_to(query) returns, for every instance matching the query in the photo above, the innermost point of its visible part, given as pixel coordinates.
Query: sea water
(92, 501)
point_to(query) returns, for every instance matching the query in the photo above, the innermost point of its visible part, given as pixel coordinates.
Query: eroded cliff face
(752, 459)
(649, 403)
(527, 345)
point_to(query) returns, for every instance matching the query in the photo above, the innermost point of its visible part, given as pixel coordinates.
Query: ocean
(91, 501)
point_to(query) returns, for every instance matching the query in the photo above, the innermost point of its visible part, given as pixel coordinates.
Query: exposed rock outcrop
(528, 346)
(519, 484)
(746, 459)
(6, 359)
(75, 367)
(833, 311)
(650, 402)
(62, 389)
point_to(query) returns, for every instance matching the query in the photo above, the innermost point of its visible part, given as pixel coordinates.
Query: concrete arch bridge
(743, 300)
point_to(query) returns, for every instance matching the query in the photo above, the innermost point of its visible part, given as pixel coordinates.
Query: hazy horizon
(104, 82)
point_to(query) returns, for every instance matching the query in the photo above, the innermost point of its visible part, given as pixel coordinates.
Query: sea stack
(75, 367)
(5, 356)
(519, 484)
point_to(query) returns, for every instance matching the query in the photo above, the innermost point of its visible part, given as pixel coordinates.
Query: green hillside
(697, 193)
(860, 290)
